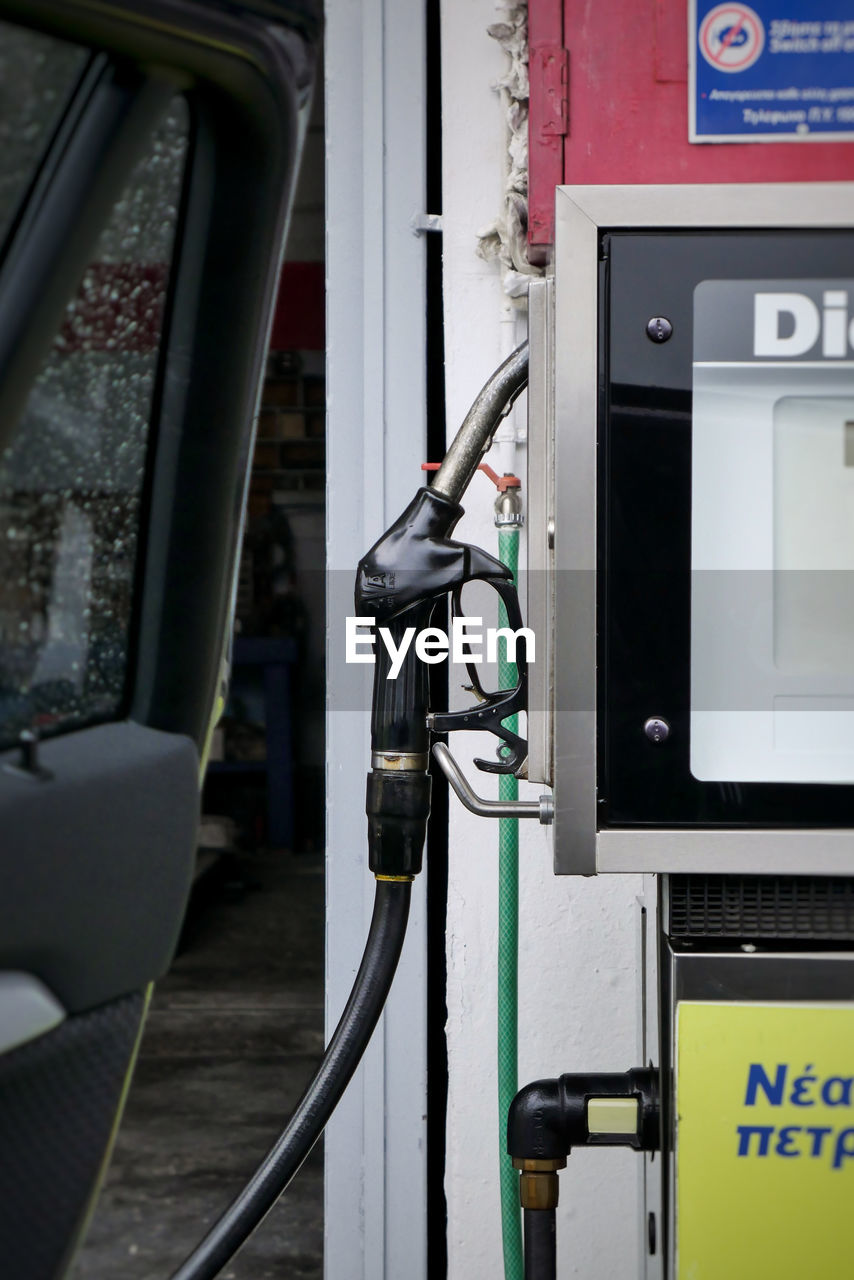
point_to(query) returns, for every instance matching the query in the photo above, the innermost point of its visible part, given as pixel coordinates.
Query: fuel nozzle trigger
(493, 708)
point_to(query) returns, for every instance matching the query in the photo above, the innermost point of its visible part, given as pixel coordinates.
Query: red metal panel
(627, 125)
(300, 319)
(628, 110)
(671, 58)
(547, 120)
(119, 306)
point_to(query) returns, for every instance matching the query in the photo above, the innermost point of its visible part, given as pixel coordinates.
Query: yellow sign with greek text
(764, 1141)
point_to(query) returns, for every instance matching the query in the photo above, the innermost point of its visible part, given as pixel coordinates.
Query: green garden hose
(508, 953)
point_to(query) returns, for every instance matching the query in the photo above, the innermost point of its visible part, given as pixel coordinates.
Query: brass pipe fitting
(538, 1182)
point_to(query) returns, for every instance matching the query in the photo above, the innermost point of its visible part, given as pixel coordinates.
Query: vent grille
(762, 907)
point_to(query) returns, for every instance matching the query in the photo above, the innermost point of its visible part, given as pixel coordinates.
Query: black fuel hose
(342, 1056)
(540, 1244)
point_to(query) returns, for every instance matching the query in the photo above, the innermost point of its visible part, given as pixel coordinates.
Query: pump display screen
(726, 529)
(772, 532)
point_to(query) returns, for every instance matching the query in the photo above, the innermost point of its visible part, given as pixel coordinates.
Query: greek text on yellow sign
(764, 1141)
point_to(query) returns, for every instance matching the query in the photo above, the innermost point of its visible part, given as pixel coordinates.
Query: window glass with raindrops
(71, 479)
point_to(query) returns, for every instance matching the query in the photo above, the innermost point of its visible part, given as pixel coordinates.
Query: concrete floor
(234, 1033)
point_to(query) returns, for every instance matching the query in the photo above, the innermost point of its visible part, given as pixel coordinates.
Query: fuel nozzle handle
(399, 785)
(412, 566)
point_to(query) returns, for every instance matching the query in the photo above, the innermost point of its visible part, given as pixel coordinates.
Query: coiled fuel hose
(342, 1056)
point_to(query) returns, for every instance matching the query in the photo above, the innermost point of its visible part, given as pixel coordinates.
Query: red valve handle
(502, 483)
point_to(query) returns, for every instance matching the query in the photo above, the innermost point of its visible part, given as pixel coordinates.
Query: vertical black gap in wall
(437, 835)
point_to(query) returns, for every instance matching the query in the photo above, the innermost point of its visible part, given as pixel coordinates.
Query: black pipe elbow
(536, 1122)
(549, 1117)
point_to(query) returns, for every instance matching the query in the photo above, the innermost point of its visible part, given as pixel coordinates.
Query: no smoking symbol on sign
(731, 37)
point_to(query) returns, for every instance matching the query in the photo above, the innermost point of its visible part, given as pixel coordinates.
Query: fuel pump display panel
(772, 540)
(726, 529)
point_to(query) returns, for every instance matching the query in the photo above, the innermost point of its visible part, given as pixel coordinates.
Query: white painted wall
(579, 976)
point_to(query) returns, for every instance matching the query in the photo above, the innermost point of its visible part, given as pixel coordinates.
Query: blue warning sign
(771, 70)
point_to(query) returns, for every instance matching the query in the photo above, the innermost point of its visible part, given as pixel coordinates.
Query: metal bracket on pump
(399, 581)
(542, 808)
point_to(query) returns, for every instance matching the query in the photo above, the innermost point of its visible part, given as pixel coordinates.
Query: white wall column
(375, 1144)
(579, 983)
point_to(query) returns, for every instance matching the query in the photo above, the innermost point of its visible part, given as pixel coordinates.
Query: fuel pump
(693, 576)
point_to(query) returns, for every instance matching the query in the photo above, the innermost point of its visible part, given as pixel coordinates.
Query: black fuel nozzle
(412, 566)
